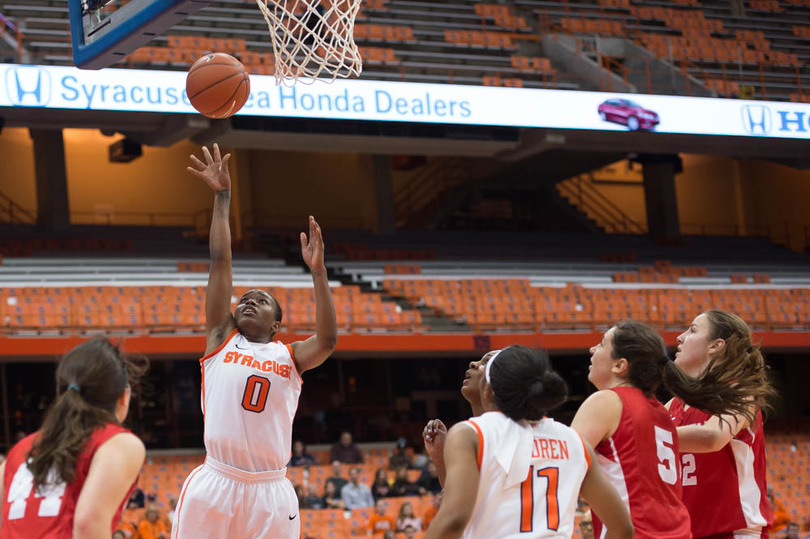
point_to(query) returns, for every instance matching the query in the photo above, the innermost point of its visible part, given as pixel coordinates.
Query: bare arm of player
(598, 417)
(314, 351)
(113, 470)
(605, 501)
(434, 435)
(218, 318)
(711, 436)
(458, 499)
(2, 473)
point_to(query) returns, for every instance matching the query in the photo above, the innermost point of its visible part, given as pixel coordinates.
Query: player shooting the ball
(250, 390)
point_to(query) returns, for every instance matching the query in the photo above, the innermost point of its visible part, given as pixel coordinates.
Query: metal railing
(430, 181)
(13, 213)
(580, 191)
(198, 220)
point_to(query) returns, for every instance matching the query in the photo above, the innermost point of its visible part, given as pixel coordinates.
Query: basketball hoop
(312, 39)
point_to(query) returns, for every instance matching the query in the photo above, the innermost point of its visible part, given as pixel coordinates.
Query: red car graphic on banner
(629, 113)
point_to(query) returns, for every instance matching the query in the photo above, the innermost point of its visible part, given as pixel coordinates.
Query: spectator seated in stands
(586, 526)
(780, 514)
(331, 497)
(300, 493)
(345, 450)
(137, 500)
(172, 510)
(400, 457)
(312, 500)
(402, 486)
(118, 534)
(791, 531)
(407, 519)
(129, 529)
(151, 527)
(300, 457)
(390, 534)
(430, 512)
(381, 488)
(429, 480)
(420, 460)
(380, 521)
(337, 477)
(355, 494)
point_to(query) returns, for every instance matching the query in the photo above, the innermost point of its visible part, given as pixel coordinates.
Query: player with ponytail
(514, 472)
(723, 452)
(70, 479)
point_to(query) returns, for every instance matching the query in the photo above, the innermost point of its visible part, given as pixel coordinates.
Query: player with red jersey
(250, 390)
(634, 437)
(71, 479)
(723, 457)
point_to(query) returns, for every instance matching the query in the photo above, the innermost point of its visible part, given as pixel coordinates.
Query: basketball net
(313, 39)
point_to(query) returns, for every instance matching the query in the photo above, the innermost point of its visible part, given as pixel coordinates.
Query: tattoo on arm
(223, 201)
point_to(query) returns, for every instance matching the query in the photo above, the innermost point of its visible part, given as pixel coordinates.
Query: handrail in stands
(590, 200)
(431, 179)
(17, 39)
(13, 213)
(198, 220)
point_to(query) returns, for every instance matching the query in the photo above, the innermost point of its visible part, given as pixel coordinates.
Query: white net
(313, 39)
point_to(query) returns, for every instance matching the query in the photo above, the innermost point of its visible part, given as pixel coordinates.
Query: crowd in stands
(390, 492)
(399, 502)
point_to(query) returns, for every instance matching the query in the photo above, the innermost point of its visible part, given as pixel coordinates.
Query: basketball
(218, 85)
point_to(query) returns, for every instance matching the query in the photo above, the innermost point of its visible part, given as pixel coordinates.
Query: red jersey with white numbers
(641, 461)
(47, 512)
(725, 491)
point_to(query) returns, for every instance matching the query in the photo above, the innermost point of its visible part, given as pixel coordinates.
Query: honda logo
(28, 86)
(756, 119)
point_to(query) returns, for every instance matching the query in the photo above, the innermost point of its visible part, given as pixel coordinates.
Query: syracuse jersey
(249, 397)
(641, 461)
(47, 513)
(543, 505)
(726, 491)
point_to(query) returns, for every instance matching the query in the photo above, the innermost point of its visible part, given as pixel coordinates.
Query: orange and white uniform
(542, 505)
(249, 398)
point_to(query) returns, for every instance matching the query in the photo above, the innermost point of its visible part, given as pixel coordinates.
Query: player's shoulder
(604, 401)
(124, 443)
(21, 448)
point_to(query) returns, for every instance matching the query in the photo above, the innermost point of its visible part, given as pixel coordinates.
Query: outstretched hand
(434, 435)
(312, 247)
(214, 171)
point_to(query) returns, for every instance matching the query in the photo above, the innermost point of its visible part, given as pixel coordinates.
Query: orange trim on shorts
(587, 453)
(480, 455)
(221, 346)
(183, 496)
(202, 394)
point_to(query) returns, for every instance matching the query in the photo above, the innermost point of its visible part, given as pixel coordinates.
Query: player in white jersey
(513, 473)
(250, 391)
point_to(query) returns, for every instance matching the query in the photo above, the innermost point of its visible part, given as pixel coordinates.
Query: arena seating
(143, 295)
(40, 295)
(464, 41)
(789, 469)
(163, 475)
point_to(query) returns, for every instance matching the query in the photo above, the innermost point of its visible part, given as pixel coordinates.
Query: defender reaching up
(250, 390)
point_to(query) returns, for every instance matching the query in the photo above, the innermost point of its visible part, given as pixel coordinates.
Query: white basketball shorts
(222, 502)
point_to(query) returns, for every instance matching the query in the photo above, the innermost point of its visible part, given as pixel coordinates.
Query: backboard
(105, 31)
